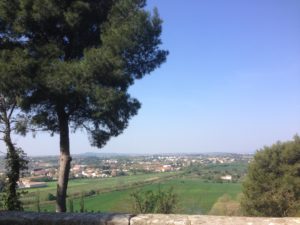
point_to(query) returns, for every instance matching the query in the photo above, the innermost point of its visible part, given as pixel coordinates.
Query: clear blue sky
(231, 82)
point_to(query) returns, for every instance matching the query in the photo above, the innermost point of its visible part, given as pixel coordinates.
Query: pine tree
(83, 55)
(272, 185)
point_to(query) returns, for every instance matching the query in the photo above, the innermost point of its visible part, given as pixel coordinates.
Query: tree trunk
(64, 163)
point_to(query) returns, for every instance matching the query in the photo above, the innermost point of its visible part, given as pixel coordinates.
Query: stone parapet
(157, 219)
(31, 218)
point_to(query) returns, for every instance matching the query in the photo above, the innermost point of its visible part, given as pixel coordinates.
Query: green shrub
(160, 201)
(226, 206)
(51, 197)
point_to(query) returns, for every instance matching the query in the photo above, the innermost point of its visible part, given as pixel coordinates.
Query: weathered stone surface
(27, 218)
(151, 219)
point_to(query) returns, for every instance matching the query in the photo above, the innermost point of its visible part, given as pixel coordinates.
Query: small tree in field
(272, 185)
(84, 55)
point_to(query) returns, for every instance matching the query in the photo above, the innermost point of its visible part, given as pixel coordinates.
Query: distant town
(97, 165)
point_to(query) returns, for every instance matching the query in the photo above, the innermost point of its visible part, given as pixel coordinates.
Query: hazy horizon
(99, 153)
(230, 84)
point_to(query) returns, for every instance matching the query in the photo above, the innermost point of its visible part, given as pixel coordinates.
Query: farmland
(195, 195)
(78, 186)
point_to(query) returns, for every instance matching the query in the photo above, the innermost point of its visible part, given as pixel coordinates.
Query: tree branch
(12, 110)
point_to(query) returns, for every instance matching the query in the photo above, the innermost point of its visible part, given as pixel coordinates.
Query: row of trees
(68, 65)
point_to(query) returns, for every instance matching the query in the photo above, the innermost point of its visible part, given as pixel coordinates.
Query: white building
(227, 177)
(30, 184)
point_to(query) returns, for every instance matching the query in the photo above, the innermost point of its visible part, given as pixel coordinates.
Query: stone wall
(26, 218)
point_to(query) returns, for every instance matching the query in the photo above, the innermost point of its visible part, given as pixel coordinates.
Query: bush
(150, 201)
(91, 192)
(225, 206)
(51, 197)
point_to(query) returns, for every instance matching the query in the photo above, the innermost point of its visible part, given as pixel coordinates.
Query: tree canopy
(80, 57)
(88, 53)
(272, 186)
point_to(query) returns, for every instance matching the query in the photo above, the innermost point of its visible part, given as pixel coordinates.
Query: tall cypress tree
(86, 54)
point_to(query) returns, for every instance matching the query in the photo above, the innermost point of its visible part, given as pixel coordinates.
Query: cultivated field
(113, 194)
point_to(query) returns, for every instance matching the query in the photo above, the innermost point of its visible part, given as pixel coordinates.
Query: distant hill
(101, 154)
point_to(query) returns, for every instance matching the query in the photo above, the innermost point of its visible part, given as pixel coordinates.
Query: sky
(231, 82)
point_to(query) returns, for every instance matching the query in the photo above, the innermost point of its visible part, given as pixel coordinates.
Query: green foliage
(272, 186)
(212, 172)
(79, 58)
(16, 162)
(90, 193)
(51, 197)
(74, 61)
(160, 201)
(15, 159)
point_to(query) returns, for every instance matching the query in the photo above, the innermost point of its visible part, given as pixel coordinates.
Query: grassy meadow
(113, 194)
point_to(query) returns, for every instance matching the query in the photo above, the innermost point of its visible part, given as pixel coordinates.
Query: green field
(195, 195)
(105, 185)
